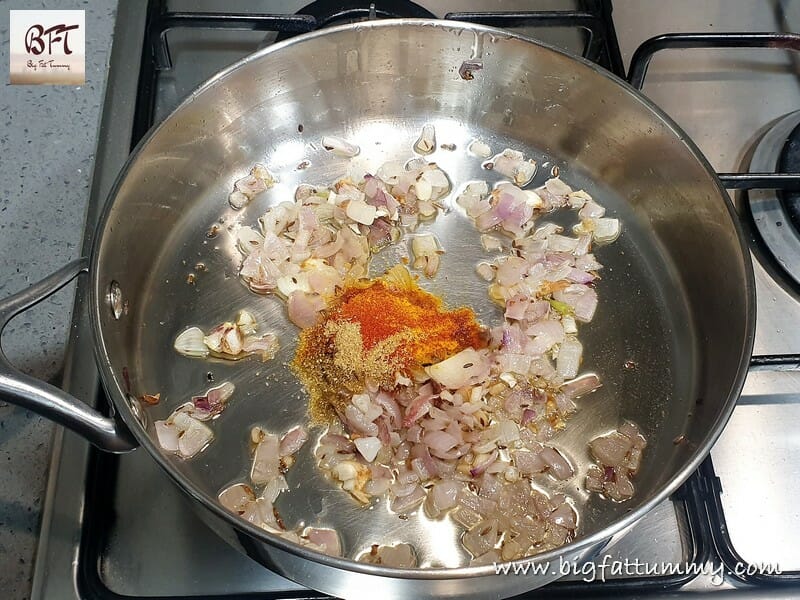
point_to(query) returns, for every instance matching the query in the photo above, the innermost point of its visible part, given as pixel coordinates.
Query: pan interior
(639, 322)
(377, 86)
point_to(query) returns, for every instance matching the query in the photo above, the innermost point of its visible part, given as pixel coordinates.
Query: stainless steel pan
(677, 296)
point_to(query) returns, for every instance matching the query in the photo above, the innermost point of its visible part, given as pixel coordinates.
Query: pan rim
(583, 545)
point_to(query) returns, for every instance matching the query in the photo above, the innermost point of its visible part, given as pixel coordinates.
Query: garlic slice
(190, 343)
(230, 341)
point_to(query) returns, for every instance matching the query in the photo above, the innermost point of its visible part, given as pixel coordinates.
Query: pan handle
(108, 434)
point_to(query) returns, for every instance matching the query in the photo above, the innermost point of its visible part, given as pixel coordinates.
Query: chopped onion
(479, 148)
(426, 251)
(194, 435)
(557, 465)
(591, 210)
(557, 187)
(436, 178)
(465, 368)
(368, 447)
(426, 143)
(471, 428)
(481, 538)
(580, 386)
(304, 308)
(361, 212)
(529, 463)
(274, 488)
(440, 441)
(238, 200)
(248, 239)
(486, 271)
(399, 556)
(236, 497)
(403, 504)
(327, 540)
(606, 230)
(292, 441)
(167, 435)
(266, 460)
(569, 358)
(339, 146)
(512, 163)
(611, 449)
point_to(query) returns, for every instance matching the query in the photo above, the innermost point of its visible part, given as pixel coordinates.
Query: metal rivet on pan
(115, 301)
(136, 410)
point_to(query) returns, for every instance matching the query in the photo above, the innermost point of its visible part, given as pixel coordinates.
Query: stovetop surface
(102, 533)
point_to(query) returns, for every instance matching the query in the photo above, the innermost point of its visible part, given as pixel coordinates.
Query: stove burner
(340, 12)
(776, 214)
(790, 163)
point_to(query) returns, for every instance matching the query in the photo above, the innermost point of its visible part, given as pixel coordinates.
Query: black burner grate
(790, 162)
(593, 18)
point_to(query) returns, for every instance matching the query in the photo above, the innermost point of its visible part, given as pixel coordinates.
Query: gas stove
(726, 71)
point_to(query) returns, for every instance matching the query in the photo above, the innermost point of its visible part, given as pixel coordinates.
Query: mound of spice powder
(373, 331)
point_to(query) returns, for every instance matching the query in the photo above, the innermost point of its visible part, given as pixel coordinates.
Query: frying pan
(676, 298)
